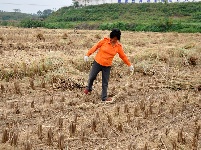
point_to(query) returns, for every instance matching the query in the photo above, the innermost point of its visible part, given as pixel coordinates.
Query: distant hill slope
(7, 16)
(129, 12)
(137, 17)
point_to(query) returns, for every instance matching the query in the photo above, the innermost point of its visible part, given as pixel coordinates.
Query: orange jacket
(107, 52)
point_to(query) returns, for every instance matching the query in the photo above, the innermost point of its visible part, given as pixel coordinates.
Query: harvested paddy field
(42, 105)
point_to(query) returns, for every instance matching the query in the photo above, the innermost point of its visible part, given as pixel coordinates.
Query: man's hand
(131, 68)
(86, 58)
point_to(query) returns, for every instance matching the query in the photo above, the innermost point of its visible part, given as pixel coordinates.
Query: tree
(39, 13)
(75, 3)
(47, 12)
(17, 10)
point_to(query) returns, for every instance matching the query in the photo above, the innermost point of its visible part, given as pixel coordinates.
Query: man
(108, 48)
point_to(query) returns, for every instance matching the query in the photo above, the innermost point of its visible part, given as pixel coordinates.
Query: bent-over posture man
(108, 48)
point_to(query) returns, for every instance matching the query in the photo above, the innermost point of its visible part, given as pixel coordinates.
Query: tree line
(17, 15)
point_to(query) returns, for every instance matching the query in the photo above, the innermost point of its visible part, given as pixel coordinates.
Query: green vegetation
(22, 19)
(156, 17)
(29, 23)
(6, 16)
(13, 18)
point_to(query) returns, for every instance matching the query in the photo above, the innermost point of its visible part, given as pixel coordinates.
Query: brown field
(42, 105)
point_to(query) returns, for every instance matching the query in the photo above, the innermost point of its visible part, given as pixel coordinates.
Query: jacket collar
(115, 43)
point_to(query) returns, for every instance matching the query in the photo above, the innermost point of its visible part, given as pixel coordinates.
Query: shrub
(30, 23)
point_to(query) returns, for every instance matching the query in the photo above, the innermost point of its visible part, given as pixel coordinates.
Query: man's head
(115, 35)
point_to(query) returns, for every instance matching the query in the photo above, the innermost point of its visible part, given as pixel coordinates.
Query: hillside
(165, 17)
(12, 18)
(129, 12)
(5, 16)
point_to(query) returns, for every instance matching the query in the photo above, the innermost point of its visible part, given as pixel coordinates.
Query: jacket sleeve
(123, 56)
(95, 47)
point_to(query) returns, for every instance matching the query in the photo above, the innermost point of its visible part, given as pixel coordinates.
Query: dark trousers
(96, 68)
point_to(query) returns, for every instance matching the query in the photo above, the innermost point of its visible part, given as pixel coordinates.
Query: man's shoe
(86, 91)
(108, 100)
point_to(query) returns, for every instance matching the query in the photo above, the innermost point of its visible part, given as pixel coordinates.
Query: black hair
(115, 33)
